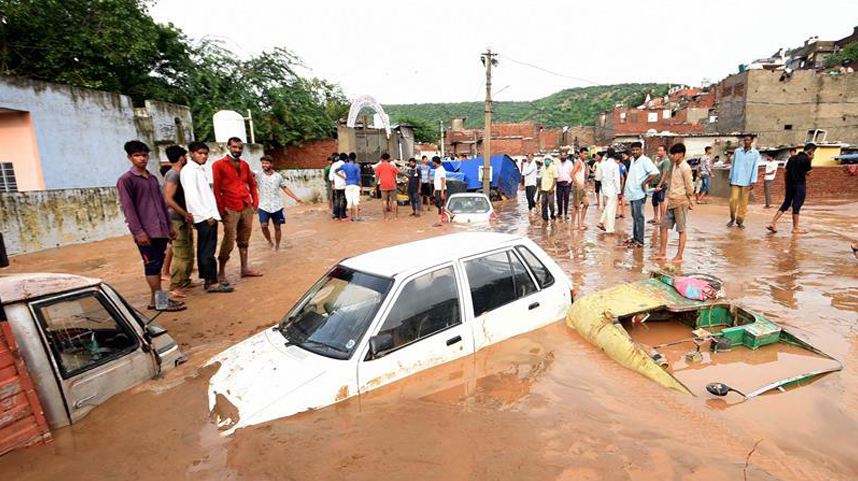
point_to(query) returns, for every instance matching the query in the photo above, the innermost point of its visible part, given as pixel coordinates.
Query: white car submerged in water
(379, 317)
(469, 208)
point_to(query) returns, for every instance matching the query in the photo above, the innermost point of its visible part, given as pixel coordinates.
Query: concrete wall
(18, 146)
(307, 184)
(782, 112)
(38, 220)
(33, 221)
(79, 132)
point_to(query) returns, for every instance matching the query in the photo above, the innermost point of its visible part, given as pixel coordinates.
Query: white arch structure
(367, 101)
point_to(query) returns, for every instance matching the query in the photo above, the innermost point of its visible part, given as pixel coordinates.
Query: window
(622, 117)
(83, 333)
(469, 205)
(7, 178)
(665, 114)
(497, 280)
(787, 126)
(652, 117)
(426, 305)
(543, 276)
(334, 314)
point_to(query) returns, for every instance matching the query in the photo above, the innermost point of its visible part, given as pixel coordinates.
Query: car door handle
(533, 306)
(454, 340)
(83, 402)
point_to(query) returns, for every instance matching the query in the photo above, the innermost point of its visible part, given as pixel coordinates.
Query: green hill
(575, 106)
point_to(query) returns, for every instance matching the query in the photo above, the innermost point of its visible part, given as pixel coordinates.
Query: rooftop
(401, 258)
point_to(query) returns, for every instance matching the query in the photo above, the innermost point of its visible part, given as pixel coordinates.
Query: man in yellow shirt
(680, 191)
(546, 188)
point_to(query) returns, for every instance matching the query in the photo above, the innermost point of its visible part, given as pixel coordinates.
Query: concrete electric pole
(441, 123)
(488, 59)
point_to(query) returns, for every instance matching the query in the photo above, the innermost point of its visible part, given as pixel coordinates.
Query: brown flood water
(544, 405)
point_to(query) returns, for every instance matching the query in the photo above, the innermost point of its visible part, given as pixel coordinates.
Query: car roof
(425, 253)
(23, 287)
(469, 194)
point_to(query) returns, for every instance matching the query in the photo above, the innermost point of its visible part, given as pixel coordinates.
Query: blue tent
(505, 173)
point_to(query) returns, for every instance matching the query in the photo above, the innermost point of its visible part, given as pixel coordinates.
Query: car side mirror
(379, 344)
(155, 330)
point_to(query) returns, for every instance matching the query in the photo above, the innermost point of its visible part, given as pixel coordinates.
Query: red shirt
(386, 173)
(233, 189)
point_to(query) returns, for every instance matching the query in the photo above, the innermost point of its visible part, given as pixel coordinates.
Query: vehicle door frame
(65, 381)
(510, 248)
(385, 309)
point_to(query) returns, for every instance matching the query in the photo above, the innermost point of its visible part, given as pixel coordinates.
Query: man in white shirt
(530, 171)
(270, 183)
(564, 185)
(339, 186)
(771, 171)
(597, 179)
(440, 181)
(610, 171)
(201, 204)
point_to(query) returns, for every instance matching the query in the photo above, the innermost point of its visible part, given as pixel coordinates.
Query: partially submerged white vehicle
(469, 208)
(379, 317)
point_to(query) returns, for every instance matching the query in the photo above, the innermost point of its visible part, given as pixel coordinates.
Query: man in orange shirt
(237, 201)
(386, 174)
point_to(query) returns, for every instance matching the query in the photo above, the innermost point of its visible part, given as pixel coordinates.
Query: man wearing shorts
(386, 174)
(662, 162)
(350, 172)
(270, 183)
(580, 203)
(237, 201)
(425, 182)
(440, 185)
(680, 192)
(147, 218)
(795, 179)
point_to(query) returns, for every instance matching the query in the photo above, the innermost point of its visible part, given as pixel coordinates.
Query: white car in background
(379, 317)
(469, 208)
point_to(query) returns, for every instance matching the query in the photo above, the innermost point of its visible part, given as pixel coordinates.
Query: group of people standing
(617, 178)
(426, 184)
(198, 196)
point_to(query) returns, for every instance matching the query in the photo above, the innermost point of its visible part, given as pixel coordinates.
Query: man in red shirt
(386, 174)
(237, 200)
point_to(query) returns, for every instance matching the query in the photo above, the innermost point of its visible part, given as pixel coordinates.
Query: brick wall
(309, 155)
(822, 183)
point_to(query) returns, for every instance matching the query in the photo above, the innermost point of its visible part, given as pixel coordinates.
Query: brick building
(682, 111)
(514, 139)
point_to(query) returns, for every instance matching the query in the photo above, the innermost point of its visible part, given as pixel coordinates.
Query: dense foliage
(115, 45)
(575, 106)
(849, 54)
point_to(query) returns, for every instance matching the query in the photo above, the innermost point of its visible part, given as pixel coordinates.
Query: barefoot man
(680, 191)
(797, 168)
(270, 183)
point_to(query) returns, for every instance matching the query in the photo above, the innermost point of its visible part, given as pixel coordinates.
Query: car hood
(256, 377)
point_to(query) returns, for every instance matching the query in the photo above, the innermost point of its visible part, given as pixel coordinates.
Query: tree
(849, 54)
(115, 45)
(424, 132)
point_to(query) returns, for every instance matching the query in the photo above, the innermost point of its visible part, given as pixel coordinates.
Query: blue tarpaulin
(847, 157)
(505, 174)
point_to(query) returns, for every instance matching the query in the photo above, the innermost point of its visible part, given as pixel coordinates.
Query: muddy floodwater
(543, 405)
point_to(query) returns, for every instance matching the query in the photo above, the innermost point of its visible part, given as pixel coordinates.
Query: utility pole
(488, 59)
(441, 123)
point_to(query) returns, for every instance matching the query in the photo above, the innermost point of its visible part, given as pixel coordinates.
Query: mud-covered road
(544, 405)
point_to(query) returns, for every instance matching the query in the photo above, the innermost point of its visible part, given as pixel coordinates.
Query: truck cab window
(83, 332)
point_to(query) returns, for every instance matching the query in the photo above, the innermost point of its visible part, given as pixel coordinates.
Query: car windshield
(468, 205)
(332, 317)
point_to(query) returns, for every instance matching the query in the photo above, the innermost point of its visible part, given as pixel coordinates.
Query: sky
(414, 52)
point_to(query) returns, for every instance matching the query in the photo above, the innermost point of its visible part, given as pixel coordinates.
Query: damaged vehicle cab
(74, 343)
(382, 316)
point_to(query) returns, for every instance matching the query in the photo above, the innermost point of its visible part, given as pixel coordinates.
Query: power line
(537, 67)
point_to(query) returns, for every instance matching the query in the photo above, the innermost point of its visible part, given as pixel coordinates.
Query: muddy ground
(544, 405)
